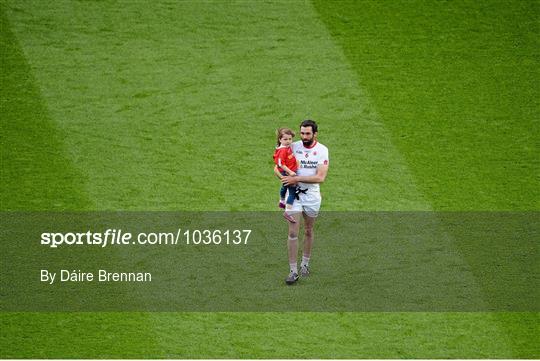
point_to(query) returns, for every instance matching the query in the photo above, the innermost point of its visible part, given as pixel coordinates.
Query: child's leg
(288, 207)
(282, 193)
(291, 196)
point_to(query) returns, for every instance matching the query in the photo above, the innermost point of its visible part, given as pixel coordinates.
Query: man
(313, 167)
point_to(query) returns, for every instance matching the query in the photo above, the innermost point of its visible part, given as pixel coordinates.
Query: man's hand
(289, 180)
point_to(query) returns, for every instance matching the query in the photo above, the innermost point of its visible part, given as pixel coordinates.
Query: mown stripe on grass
(456, 87)
(38, 174)
(37, 171)
(77, 335)
(174, 105)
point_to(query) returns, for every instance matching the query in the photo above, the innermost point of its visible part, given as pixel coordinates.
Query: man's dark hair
(309, 123)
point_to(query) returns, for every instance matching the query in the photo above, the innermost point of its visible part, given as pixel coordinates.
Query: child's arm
(277, 172)
(288, 170)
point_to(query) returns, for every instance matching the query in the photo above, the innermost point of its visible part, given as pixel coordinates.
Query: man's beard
(308, 143)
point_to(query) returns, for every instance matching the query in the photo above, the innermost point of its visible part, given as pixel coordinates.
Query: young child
(287, 165)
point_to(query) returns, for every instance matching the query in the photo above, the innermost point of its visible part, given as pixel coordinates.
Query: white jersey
(308, 161)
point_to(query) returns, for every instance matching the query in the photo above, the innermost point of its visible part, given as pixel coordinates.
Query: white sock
(294, 267)
(305, 261)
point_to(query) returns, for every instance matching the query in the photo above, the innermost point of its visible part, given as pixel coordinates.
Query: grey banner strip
(237, 261)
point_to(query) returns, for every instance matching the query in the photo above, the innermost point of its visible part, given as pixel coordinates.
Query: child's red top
(285, 156)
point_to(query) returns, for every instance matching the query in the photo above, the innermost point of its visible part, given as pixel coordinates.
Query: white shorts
(309, 203)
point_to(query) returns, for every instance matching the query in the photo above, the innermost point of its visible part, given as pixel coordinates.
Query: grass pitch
(172, 106)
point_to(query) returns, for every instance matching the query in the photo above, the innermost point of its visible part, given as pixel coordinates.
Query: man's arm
(322, 170)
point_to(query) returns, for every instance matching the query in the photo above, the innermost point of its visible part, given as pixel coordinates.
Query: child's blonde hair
(281, 132)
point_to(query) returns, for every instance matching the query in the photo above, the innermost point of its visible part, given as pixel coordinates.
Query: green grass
(36, 169)
(172, 106)
(256, 335)
(456, 84)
